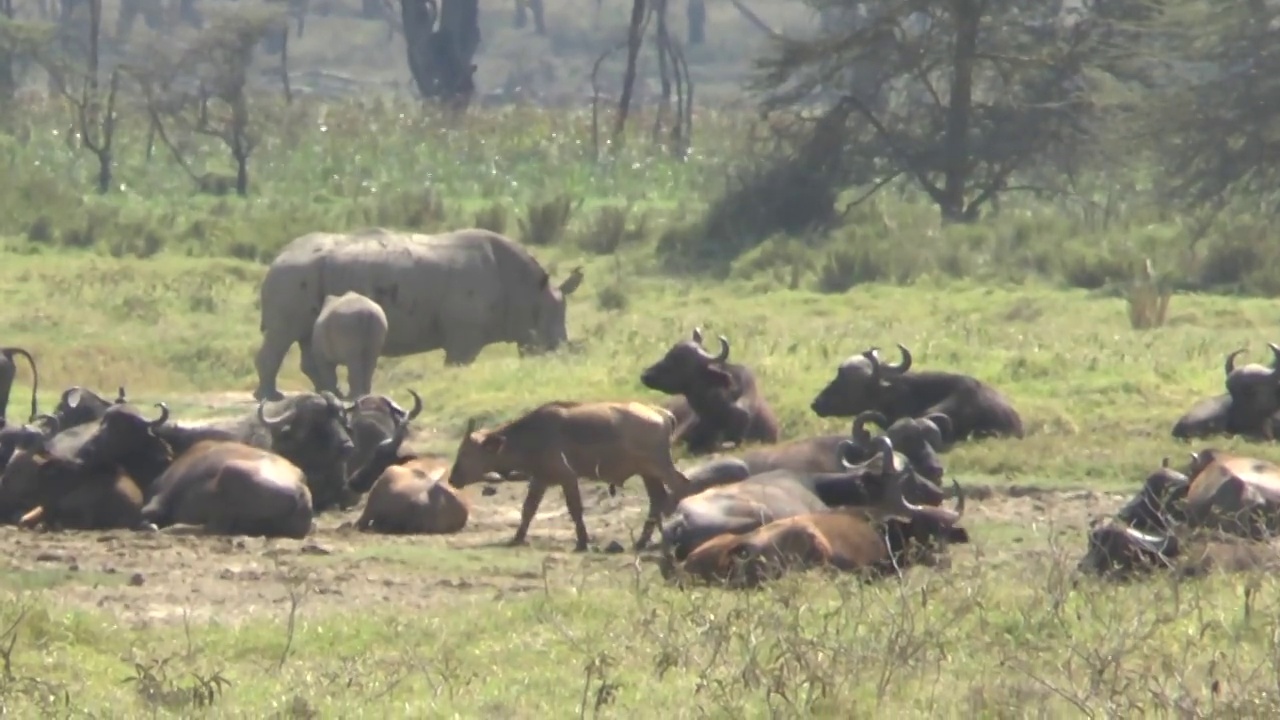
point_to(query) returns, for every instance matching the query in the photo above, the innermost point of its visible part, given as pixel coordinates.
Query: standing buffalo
(863, 382)
(457, 291)
(559, 442)
(349, 331)
(8, 371)
(725, 404)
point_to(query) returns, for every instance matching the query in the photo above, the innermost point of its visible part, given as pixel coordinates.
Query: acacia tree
(1213, 120)
(957, 96)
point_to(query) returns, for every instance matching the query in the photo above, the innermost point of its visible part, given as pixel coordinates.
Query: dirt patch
(160, 577)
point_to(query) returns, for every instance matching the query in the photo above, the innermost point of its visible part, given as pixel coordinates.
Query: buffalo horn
(885, 446)
(724, 349)
(842, 452)
(1230, 365)
(471, 426)
(1164, 462)
(859, 432)
(164, 416)
(417, 407)
(1275, 359)
(901, 367)
(121, 399)
(697, 335)
(273, 422)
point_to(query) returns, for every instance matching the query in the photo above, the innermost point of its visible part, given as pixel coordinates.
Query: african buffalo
(1238, 495)
(880, 539)
(559, 442)
(203, 478)
(1254, 392)
(1208, 417)
(725, 403)
(309, 430)
(1160, 504)
(81, 406)
(8, 371)
(759, 499)
(407, 494)
(1118, 552)
(12, 437)
(863, 382)
(350, 330)
(457, 291)
(372, 420)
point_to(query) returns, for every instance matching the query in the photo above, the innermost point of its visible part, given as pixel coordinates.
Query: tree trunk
(967, 16)
(441, 59)
(696, 12)
(8, 75)
(635, 36)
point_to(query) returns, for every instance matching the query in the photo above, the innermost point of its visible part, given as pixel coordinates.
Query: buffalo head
(312, 433)
(1254, 391)
(918, 439)
(81, 406)
(385, 453)
(885, 472)
(480, 457)
(122, 433)
(860, 383)
(550, 329)
(373, 419)
(688, 368)
(1116, 550)
(1158, 505)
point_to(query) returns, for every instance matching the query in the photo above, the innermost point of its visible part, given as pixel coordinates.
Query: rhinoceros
(457, 291)
(350, 331)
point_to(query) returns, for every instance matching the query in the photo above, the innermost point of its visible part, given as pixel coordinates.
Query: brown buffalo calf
(559, 442)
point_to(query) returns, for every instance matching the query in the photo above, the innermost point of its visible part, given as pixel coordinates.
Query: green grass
(155, 287)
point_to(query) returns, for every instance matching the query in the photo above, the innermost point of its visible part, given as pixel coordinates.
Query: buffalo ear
(717, 377)
(493, 443)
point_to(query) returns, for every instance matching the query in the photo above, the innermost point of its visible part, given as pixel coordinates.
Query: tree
(1214, 120)
(440, 57)
(957, 96)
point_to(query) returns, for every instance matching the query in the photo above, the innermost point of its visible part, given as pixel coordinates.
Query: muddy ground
(160, 577)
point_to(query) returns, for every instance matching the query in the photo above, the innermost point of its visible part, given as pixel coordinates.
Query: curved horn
(1275, 359)
(697, 335)
(724, 349)
(959, 508)
(901, 367)
(942, 421)
(272, 423)
(1230, 365)
(164, 416)
(842, 452)
(859, 430)
(417, 407)
(885, 446)
(51, 422)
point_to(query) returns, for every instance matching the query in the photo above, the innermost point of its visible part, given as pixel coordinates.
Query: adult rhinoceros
(457, 291)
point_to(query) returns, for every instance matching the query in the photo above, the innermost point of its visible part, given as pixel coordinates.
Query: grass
(154, 286)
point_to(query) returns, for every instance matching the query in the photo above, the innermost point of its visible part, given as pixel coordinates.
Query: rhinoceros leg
(268, 361)
(323, 375)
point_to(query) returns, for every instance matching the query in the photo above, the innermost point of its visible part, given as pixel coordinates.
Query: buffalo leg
(532, 500)
(573, 500)
(657, 504)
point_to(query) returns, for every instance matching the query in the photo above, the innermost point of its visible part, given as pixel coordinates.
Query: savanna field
(154, 286)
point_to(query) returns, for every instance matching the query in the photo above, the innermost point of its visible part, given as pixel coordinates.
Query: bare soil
(160, 577)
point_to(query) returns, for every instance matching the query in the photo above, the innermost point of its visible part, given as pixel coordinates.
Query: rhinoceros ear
(572, 282)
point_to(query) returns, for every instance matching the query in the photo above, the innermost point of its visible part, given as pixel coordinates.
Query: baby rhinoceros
(408, 494)
(350, 331)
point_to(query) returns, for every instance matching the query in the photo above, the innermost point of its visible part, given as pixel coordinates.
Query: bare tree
(95, 115)
(440, 55)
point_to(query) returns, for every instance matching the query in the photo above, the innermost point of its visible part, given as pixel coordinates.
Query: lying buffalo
(1117, 551)
(760, 499)
(863, 382)
(457, 291)
(559, 442)
(881, 538)
(194, 476)
(8, 372)
(407, 494)
(725, 404)
(1255, 394)
(372, 420)
(1235, 494)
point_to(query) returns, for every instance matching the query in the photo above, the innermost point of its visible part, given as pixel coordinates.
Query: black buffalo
(863, 382)
(724, 403)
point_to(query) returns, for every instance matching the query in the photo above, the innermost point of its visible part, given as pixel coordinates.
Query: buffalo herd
(871, 501)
